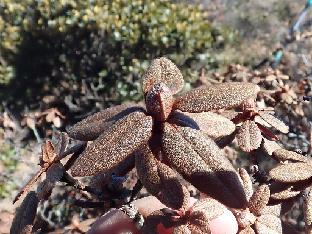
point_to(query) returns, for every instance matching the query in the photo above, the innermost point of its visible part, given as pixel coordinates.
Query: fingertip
(224, 224)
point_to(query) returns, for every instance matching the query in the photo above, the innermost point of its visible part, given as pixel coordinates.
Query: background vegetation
(92, 53)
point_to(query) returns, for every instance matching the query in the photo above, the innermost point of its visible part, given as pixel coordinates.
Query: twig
(26, 188)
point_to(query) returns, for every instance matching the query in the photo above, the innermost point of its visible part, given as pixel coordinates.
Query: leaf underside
(225, 95)
(259, 199)
(201, 162)
(268, 224)
(286, 155)
(212, 124)
(285, 194)
(93, 126)
(114, 145)
(246, 182)
(249, 136)
(291, 172)
(274, 122)
(160, 180)
(162, 70)
(270, 146)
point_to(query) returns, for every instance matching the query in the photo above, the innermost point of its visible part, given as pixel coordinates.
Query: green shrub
(92, 52)
(8, 163)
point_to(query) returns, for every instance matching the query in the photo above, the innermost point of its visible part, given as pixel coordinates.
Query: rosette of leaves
(161, 140)
(291, 176)
(254, 125)
(258, 217)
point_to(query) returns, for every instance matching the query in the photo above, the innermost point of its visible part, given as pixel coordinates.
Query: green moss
(8, 158)
(6, 189)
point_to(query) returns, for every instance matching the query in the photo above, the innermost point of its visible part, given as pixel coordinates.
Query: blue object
(302, 16)
(277, 57)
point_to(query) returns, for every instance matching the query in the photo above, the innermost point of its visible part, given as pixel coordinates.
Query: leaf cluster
(175, 138)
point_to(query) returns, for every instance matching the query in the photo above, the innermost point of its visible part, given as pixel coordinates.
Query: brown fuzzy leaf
(291, 172)
(225, 95)
(230, 114)
(274, 122)
(307, 211)
(246, 182)
(160, 180)
(200, 161)
(249, 136)
(114, 145)
(214, 125)
(285, 194)
(182, 229)
(162, 70)
(283, 155)
(93, 126)
(216, 160)
(247, 230)
(272, 210)
(268, 224)
(209, 208)
(159, 101)
(25, 215)
(146, 166)
(270, 146)
(174, 193)
(259, 199)
(199, 223)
